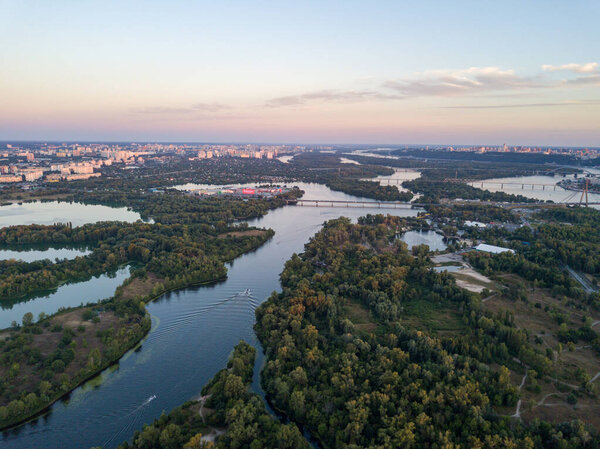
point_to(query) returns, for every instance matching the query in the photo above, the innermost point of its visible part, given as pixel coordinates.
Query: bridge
(401, 205)
(481, 183)
(522, 185)
(388, 181)
(353, 204)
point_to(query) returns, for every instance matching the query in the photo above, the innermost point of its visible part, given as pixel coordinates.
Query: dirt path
(523, 381)
(202, 401)
(214, 432)
(541, 402)
(517, 413)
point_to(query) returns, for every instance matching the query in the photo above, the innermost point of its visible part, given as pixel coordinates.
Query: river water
(51, 212)
(525, 185)
(194, 331)
(518, 185)
(397, 178)
(32, 253)
(67, 295)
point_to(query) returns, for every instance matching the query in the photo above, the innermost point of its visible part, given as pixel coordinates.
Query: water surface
(50, 212)
(397, 178)
(522, 185)
(194, 331)
(67, 295)
(432, 239)
(32, 254)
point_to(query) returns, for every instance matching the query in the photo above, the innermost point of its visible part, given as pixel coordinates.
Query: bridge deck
(403, 205)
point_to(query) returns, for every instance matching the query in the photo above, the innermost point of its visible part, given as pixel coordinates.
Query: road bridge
(513, 184)
(354, 204)
(306, 202)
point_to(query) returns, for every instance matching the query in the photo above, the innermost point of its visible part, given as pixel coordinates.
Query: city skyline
(347, 72)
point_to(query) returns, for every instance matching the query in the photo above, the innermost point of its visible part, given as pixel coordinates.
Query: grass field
(561, 396)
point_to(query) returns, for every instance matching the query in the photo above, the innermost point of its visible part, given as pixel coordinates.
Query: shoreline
(148, 299)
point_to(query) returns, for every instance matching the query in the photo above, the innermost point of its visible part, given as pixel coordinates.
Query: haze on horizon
(313, 72)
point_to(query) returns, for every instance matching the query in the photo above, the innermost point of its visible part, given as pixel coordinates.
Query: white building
(484, 247)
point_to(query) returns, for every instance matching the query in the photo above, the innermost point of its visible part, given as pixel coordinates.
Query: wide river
(537, 187)
(194, 331)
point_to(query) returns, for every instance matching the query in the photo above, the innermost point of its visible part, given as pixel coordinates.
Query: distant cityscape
(68, 162)
(56, 162)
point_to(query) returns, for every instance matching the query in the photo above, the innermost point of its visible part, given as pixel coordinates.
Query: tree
(234, 386)
(27, 319)
(170, 437)
(58, 366)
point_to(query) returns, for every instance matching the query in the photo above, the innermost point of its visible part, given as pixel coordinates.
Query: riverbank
(151, 291)
(42, 292)
(77, 344)
(198, 329)
(227, 410)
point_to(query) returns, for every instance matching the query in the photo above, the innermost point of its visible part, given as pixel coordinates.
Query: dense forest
(442, 178)
(389, 385)
(187, 243)
(369, 189)
(458, 169)
(184, 242)
(436, 190)
(565, 237)
(44, 360)
(119, 187)
(495, 157)
(460, 213)
(345, 358)
(227, 409)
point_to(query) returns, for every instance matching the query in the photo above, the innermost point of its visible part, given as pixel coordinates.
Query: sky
(378, 72)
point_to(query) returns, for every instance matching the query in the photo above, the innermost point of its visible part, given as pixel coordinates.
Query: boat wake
(245, 296)
(131, 422)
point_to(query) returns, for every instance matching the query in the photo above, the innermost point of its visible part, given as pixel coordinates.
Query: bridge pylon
(585, 192)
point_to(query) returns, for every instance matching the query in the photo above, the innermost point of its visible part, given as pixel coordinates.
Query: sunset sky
(464, 72)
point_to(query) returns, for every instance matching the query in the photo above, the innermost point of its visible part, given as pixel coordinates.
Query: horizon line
(133, 141)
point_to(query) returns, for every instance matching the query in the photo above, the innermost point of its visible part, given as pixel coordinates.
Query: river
(32, 253)
(194, 331)
(518, 185)
(50, 212)
(397, 178)
(67, 295)
(525, 185)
